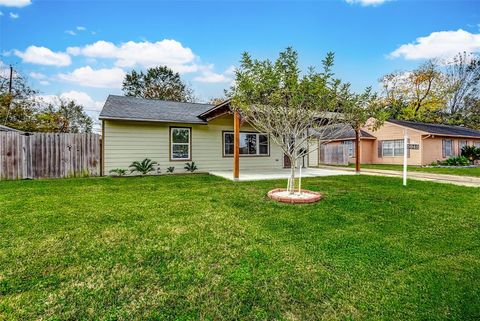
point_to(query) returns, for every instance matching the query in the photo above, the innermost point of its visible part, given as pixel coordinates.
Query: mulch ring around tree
(284, 196)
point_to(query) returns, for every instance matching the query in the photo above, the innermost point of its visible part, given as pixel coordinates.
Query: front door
(286, 161)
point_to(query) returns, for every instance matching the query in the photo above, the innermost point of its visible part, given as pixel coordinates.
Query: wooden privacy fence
(48, 155)
(333, 154)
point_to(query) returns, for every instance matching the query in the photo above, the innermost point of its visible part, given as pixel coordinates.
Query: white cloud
(1, 13)
(14, 15)
(37, 75)
(99, 78)
(81, 28)
(70, 32)
(367, 2)
(43, 56)
(15, 3)
(144, 54)
(83, 99)
(209, 76)
(230, 70)
(441, 44)
(42, 79)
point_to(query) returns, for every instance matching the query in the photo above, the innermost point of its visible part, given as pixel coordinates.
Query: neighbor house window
(251, 144)
(392, 147)
(351, 147)
(447, 147)
(476, 144)
(461, 144)
(180, 143)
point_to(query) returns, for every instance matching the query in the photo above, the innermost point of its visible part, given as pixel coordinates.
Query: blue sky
(81, 49)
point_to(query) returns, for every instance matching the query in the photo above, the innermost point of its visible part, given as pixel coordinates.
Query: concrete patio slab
(268, 174)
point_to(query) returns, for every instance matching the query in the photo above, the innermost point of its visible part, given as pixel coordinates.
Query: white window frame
(189, 144)
(257, 147)
(452, 149)
(392, 141)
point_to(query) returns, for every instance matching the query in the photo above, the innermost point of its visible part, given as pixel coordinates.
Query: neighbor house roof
(140, 109)
(8, 129)
(340, 132)
(438, 129)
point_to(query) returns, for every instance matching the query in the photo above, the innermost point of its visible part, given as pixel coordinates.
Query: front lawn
(462, 171)
(200, 247)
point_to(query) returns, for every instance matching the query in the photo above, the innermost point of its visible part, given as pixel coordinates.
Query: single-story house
(173, 133)
(385, 145)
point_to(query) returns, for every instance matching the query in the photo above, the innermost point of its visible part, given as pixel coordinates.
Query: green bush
(170, 169)
(190, 167)
(471, 152)
(144, 167)
(118, 171)
(457, 161)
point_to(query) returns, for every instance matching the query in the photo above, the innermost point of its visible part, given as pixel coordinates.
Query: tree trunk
(357, 150)
(291, 186)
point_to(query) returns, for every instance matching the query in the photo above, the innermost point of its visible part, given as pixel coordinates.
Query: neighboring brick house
(385, 145)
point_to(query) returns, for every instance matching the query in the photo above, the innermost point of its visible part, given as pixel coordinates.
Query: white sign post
(405, 152)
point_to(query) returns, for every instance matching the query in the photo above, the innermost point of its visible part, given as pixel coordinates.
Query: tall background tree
(18, 105)
(438, 91)
(277, 99)
(63, 116)
(157, 83)
(413, 95)
(24, 110)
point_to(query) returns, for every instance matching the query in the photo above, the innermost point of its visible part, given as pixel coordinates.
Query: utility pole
(11, 80)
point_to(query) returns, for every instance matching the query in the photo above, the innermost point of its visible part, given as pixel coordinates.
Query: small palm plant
(190, 167)
(170, 169)
(144, 167)
(118, 171)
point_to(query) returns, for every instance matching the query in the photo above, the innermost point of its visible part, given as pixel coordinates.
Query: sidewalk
(440, 178)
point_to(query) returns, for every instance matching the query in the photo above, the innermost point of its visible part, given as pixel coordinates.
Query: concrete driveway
(268, 174)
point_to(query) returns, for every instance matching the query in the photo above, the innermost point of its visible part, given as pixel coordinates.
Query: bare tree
(463, 80)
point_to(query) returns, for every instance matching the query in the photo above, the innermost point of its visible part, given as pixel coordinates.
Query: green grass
(462, 171)
(200, 247)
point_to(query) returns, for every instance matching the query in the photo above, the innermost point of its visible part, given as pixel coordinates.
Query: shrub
(118, 171)
(190, 167)
(457, 161)
(170, 169)
(144, 167)
(471, 152)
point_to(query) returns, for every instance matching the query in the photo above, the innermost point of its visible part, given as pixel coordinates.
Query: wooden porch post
(236, 145)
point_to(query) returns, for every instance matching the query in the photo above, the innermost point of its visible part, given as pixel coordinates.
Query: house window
(447, 147)
(251, 144)
(392, 147)
(351, 147)
(476, 144)
(461, 144)
(180, 143)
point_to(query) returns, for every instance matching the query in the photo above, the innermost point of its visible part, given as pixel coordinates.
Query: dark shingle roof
(438, 129)
(133, 108)
(340, 132)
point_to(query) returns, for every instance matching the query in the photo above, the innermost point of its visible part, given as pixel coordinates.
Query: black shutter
(380, 143)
